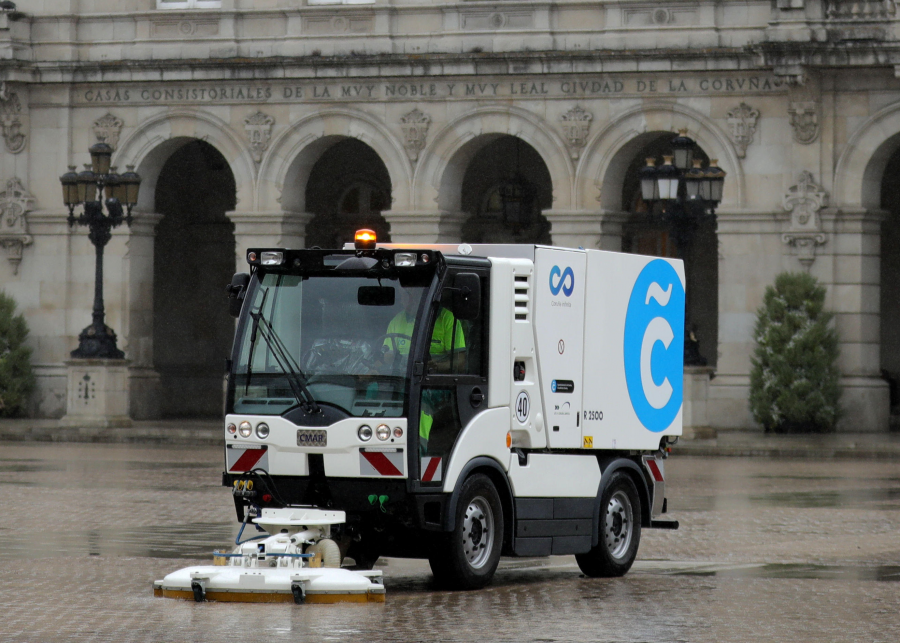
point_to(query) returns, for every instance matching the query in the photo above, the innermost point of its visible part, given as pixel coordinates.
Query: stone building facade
(288, 122)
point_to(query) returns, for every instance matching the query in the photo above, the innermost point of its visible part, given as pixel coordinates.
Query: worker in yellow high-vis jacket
(447, 335)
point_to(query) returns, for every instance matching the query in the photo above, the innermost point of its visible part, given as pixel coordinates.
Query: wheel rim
(478, 532)
(619, 527)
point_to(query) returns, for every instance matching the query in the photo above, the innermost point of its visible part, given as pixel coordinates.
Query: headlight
(365, 433)
(398, 432)
(383, 432)
(262, 430)
(405, 259)
(272, 258)
(231, 428)
(246, 429)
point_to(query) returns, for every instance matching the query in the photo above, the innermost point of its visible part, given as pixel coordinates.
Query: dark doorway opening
(193, 259)
(505, 188)
(348, 189)
(646, 235)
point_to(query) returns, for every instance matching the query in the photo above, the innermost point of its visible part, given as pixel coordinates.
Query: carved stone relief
(804, 201)
(415, 132)
(259, 131)
(495, 20)
(107, 129)
(576, 123)
(15, 203)
(804, 121)
(12, 120)
(742, 126)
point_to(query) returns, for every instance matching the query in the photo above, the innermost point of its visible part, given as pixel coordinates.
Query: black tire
(620, 530)
(467, 557)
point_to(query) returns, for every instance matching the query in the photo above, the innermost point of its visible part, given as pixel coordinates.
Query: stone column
(586, 229)
(137, 331)
(751, 255)
(279, 229)
(855, 299)
(424, 226)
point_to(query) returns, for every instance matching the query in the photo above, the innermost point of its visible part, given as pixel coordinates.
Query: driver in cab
(447, 338)
(447, 335)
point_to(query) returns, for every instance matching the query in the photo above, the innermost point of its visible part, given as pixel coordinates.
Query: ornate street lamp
(683, 194)
(86, 188)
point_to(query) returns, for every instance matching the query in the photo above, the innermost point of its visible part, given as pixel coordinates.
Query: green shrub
(16, 377)
(794, 381)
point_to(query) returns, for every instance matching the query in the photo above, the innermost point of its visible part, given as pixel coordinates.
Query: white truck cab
(459, 402)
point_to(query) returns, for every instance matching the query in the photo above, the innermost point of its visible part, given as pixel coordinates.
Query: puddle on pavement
(800, 571)
(195, 540)
(817, 499)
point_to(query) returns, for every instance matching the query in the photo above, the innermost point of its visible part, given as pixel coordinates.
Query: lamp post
(88, 188)
(682, 194)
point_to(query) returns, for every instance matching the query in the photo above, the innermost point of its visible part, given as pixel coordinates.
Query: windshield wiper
(253, 334)
(295, 377)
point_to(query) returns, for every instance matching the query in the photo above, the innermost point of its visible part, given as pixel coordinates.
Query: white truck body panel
(634, 350)
(559, 295)
(551, 475)
(341, 456)
(485, 435)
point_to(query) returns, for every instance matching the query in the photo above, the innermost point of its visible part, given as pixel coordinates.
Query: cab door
(454, 383)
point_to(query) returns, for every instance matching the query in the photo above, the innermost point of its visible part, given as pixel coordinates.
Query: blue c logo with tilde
(561, 283)
(654, 345)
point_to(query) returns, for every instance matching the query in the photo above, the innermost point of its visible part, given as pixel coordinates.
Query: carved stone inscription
(538, 86)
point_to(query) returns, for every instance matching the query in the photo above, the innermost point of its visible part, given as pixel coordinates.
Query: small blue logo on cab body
(654, 345)
(561, 283)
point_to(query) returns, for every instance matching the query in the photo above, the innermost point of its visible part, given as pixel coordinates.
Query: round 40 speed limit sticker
(523, 407)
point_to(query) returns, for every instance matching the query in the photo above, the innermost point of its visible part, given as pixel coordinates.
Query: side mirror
(237, 291)
(466, 296)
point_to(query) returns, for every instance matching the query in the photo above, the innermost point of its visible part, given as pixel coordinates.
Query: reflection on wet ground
(768, 550)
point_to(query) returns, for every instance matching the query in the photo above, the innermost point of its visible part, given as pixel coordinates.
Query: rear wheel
(620, 530)
(467, 557)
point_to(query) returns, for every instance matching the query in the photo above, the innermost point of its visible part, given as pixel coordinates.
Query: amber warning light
(365, 239)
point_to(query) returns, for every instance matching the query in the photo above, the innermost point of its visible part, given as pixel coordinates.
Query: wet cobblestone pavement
(769, 550)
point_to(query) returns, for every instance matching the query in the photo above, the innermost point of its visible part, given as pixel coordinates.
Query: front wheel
(620, 530)
(467, 557)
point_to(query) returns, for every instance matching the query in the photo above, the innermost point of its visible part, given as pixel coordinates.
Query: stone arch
(610, 151)
(443, 162)
(285, 169)
(860, 168)
(156, 139)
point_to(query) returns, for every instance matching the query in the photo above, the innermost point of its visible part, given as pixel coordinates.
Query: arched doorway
(505, 187)
(193, 259)
(646, 233)
(890, 286)
(348, 189)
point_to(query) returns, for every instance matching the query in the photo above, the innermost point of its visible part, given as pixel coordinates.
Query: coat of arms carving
(15, 202)
(259, 130)
(12, 120)
(742, 126)
(576, 123)
(804, 201)
(107, 129)
(804, 121)
(415, 132)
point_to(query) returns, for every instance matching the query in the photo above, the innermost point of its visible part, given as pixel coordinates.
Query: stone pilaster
(751, 254)
(417, 226)
(277, 229)
(137, 330)
(855, 298)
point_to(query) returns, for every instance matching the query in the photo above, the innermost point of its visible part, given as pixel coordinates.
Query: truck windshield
(342, 340)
